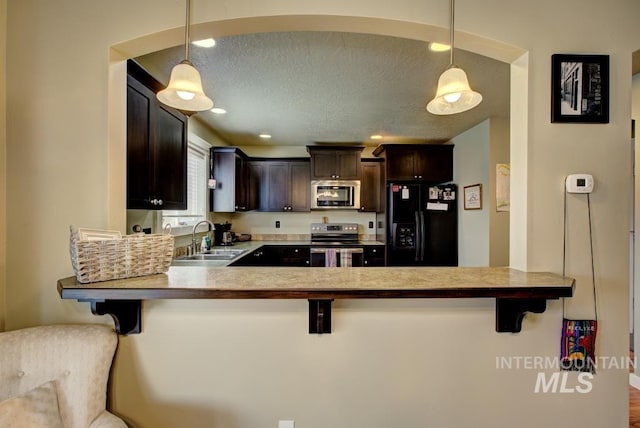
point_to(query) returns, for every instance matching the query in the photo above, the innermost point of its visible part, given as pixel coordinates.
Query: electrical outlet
(277, 224)
(286, 424)
(370, 225)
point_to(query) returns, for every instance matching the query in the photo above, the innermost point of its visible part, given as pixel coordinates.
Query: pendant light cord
(186, 31)
(451, 31)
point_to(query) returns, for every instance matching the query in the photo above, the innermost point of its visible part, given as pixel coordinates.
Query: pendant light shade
(454, 95)
(184, 91)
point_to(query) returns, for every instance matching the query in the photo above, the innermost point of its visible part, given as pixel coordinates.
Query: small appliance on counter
(222, 235)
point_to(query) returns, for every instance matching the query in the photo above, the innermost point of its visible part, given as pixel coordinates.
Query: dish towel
(330, 257)
(345, 257)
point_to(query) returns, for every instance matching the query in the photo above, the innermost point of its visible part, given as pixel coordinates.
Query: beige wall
(388, 363)
(3, 163)
(471, 166)
(498, 220)
(635, 255)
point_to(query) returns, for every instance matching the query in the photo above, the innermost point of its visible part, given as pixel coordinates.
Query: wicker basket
(130, 256)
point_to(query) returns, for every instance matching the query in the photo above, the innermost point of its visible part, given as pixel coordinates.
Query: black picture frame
(579, 88)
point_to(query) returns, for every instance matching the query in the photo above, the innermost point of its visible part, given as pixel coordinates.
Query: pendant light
(454, 94)
(184, 91)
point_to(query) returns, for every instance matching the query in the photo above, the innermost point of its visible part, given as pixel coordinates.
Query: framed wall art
(473, 197)
(503, 197)
(579, 88)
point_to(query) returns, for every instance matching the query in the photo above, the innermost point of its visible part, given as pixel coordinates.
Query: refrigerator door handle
(418, 237)
(423, 236)
(394, 231)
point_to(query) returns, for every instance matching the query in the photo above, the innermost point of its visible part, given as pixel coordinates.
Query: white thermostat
(579, 183)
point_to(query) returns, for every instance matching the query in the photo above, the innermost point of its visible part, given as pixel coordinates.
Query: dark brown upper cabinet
(335, 163)
(285, 185)
(156, 147)
(371, 186)
(422, 162)
(236, 188)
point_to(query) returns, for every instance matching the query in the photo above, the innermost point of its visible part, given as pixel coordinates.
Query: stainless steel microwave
(335, 194)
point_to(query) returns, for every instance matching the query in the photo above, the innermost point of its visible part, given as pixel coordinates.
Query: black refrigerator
(422, 224)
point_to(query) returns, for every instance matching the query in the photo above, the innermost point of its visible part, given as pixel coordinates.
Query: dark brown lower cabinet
(300, 256)
(276, 255)
(373, 256)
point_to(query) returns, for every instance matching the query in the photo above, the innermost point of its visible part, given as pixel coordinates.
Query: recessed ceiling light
(438, 47)
(265, 136)
(376, 137)
(205, 43)
(218, 110)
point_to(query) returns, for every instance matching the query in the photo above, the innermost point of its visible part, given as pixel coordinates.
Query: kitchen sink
(214, 255)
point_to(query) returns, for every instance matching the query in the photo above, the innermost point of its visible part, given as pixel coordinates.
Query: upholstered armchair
(56, 376)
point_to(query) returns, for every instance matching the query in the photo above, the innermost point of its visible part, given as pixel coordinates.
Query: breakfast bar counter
(516, 292)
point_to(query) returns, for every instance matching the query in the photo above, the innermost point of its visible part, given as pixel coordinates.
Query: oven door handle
(357, 250)
(352, 250)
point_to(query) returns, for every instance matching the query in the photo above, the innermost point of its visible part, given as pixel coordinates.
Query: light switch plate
(286, 424)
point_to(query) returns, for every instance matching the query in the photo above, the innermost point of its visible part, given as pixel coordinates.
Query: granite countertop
(279, 281)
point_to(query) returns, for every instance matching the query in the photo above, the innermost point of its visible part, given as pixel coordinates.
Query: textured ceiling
(306, 87)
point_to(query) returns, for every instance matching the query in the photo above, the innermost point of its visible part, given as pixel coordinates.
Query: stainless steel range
(335, 245)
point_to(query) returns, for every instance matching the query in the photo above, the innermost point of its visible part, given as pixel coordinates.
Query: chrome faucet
(193, 233)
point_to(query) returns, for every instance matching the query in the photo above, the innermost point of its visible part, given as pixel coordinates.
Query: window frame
(178, 228)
